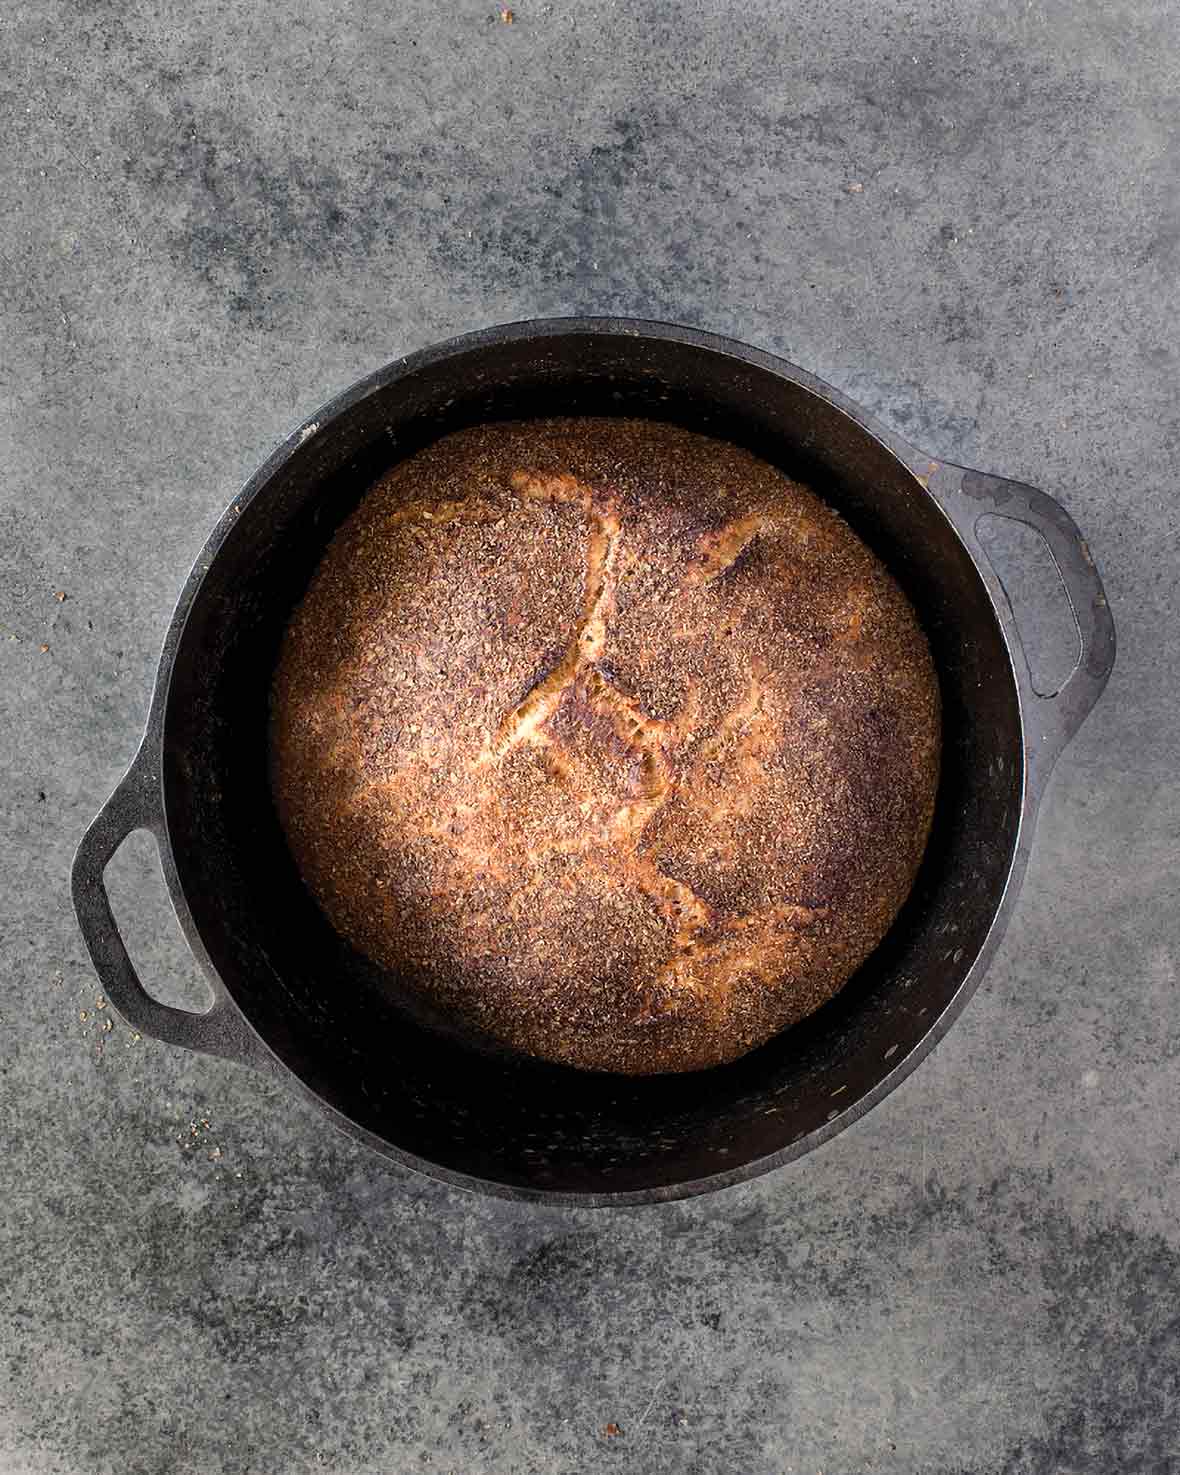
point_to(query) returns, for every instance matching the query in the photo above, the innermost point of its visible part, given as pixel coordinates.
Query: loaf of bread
(614, 745)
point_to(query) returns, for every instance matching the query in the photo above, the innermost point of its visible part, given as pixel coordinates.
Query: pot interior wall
(326, 1011)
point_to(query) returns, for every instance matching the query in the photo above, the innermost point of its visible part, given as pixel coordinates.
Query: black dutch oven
(290, 997)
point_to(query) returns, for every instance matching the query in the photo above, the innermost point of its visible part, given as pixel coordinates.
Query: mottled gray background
(214, 215)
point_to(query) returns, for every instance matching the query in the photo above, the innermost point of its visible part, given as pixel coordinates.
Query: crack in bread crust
(679, 903)
(687, 913)
(721, 550)
(524, 722)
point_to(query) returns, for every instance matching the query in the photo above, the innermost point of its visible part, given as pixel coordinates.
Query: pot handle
(1053, 718)
(221, 1030)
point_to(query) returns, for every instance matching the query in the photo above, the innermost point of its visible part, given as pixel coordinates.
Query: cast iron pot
(289, 996)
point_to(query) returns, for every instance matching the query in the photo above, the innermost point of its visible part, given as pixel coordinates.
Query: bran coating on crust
(610, 740)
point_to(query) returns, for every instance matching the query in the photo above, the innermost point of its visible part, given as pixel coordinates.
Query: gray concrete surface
(214, 215)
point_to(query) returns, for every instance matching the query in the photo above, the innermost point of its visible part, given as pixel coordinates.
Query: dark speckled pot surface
(289, 994)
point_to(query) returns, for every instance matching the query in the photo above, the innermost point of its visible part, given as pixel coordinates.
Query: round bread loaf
(615, 745)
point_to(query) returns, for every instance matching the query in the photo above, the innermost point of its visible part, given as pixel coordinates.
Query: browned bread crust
(613, 738)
